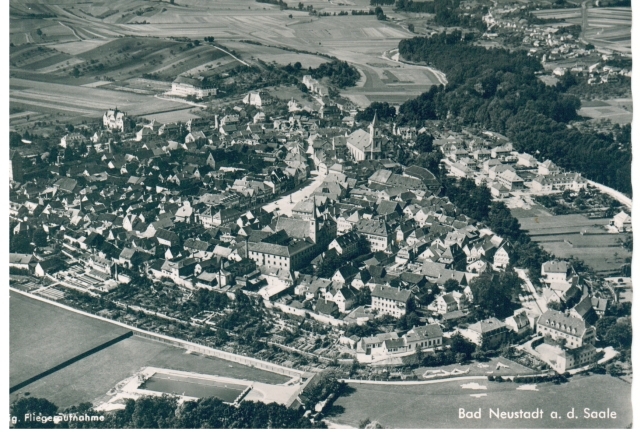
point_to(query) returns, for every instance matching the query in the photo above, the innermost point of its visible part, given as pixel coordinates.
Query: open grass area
(536, 225)
(436, 405)
(92, 377)
(562, 236)
(42, 336)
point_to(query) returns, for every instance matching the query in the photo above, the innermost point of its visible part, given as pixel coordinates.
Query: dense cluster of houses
(555, 45)
(372, 239)
(490, 158)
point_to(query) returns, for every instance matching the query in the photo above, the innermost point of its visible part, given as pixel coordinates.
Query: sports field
(42, 336)
(437, 405)
(193, 387)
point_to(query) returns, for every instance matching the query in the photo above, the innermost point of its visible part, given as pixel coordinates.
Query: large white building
(186, 86)
(376, 232)
(258, 98)
(558, 182)
(559, 325)
(363, 145)
(390, 301)
(314, 86)
(114, 119)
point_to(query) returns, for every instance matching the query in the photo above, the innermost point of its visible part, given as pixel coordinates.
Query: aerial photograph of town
(373, 214)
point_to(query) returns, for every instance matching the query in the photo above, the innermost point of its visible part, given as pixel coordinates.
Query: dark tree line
(497, 89)
(383, 110)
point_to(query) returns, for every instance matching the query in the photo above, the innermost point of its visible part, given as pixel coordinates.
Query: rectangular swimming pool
(193, 387)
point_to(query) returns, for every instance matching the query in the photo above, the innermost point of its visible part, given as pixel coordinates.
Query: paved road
(542, 305)
(397, 383)
(613, 193)
(287, 202)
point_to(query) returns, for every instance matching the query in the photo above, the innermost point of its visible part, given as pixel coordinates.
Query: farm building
(187, 86)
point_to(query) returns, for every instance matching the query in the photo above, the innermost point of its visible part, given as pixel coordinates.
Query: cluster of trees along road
(164, 412)
(498, 89)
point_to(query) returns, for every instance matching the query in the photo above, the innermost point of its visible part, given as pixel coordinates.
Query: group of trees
(165, 413)
(340, 73)
(493, 292)
(382, 110)
(615, 331)
(497, 89)
(325, 386)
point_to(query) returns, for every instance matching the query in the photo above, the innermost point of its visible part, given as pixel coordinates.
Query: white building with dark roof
(114, 119)
(365, 145)
(187, 86)
(559, 325)
(390, 301)
(376, 232)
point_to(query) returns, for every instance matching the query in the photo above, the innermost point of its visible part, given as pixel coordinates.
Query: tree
(20, 243)
(555, 305)
(620, 334)
(451, 285)
(424, 143)
(492, 293)
(363, 296)
(411, 28)
(40, 237)
(28, 405)
(459, 345)
(614, 370)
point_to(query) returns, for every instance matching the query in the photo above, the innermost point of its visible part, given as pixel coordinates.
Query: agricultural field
(42, 336)
(85, 101)
(617, 110)
(94, 376)
(85, 40)
(567, 236)
(608, 29)
(436, 405)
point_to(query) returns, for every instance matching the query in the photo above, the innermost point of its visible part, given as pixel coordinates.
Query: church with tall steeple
(365, 145)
